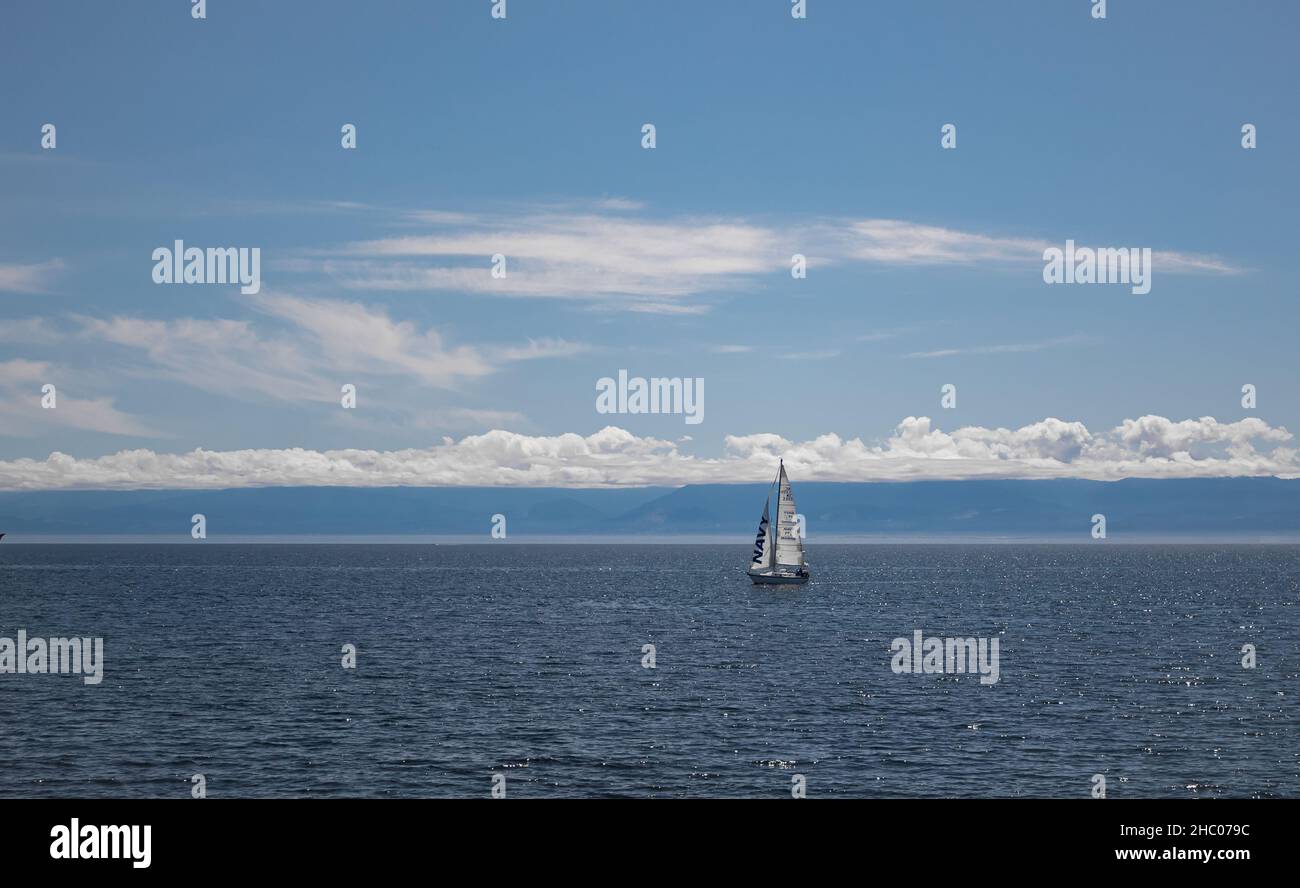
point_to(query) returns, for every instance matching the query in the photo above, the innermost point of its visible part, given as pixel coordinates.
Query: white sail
(763, 543)
(789, 547)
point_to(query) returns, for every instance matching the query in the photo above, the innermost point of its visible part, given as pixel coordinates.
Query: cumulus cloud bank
(1147, 447)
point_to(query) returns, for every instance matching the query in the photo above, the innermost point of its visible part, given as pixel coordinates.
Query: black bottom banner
(337, 838)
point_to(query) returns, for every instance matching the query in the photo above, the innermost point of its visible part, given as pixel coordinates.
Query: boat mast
(776, 526)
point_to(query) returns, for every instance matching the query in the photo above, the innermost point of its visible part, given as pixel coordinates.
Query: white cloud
(1016, 348)
(354, 337)
(1148, 447)
(28, 331)
(620, 203)
(538, 348)
(1157, 436)
(20, 371)
(575, 256)
(323, 340)
(465, 416)
(896, 242)
(823, 355)
(879, 335)
(667, 308)
(602, 253)
(21, 413)
(29, 278)
(216, 355)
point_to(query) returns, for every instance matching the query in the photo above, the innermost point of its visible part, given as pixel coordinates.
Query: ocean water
(526, 660)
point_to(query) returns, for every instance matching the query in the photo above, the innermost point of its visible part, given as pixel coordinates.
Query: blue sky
(774, 136)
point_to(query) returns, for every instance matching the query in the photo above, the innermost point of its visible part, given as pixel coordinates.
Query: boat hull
(778, 579)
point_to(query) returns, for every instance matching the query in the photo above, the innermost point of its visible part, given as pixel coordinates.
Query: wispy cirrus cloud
(307, 350)
(896, 242)
(606, 252)
(366, 339)
(1014, 348)
(821, 355)
(620, 203)
(575, 256)
(537, 348)
(468, 416)
(35, 277)
(22, 415)
(1146, 447)
(29, 331)
(880, 335)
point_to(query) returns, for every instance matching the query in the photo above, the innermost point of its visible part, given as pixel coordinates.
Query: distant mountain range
(1195, 507)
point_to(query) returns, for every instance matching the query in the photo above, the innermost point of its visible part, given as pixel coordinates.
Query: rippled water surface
(526, 660)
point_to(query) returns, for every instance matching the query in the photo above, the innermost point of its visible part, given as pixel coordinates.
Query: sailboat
(778, 551)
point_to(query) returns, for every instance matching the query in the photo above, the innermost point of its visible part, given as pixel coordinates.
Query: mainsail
(789, 547)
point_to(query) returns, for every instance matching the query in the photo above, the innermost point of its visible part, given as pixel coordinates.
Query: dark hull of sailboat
(778, 579)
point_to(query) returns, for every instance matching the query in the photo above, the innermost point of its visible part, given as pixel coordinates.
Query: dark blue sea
(526, 660)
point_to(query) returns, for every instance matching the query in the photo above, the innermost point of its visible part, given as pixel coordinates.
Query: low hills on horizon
(1194, 507)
